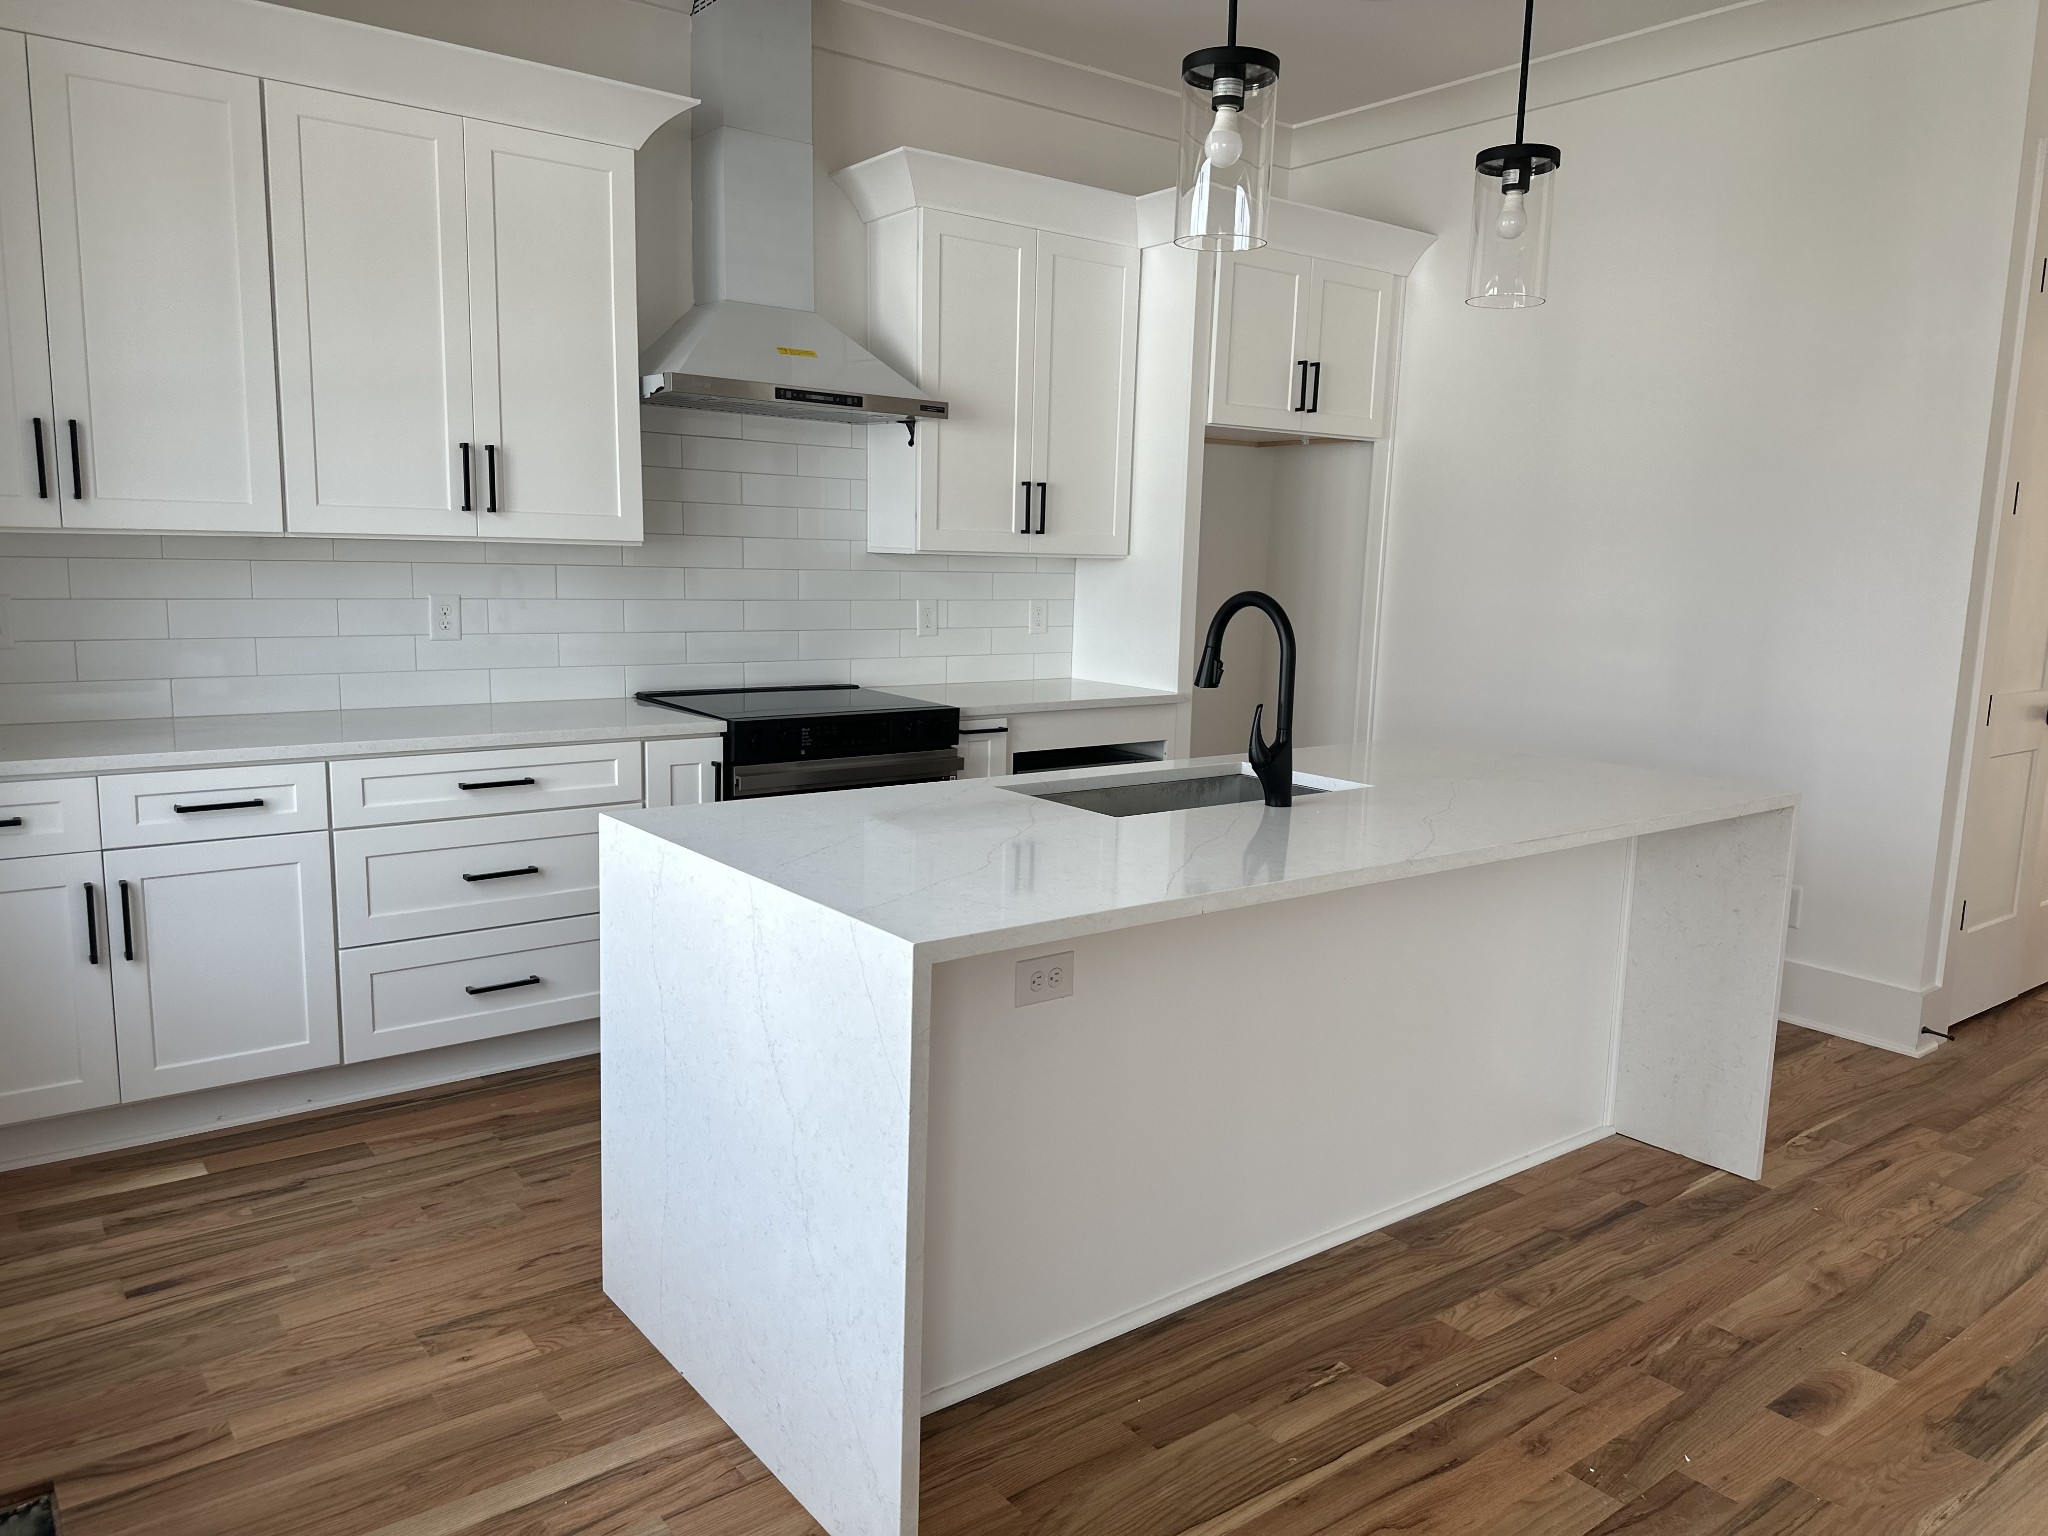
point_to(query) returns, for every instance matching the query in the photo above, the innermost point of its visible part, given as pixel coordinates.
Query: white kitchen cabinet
(371, 254)
(156, 269)
(683, 770)
(1031, 338)
(28, 477)
(551, 282)
(57, 1028)
(423, 993)
(224, 962)
(416, 881)
(984, 748)
(1301, 345)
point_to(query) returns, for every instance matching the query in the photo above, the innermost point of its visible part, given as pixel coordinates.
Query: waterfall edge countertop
(964, 867)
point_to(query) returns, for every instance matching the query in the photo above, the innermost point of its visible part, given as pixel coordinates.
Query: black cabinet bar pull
(225, 805)
(127, 924)
(42, 464)
(10, 821)
(1315, 400)
(1041, 506)
(92, 927)
(491, 476)
(1024, 488)
(497, 784)
(77, 465)
(1301, 385)
(504, 874)
(503, 986)
(468, 492)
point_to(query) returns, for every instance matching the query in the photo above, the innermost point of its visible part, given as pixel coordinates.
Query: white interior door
(979, 303)
(1086, 358)
(156, 262)
(372, 269)
(1259, 366)
(223, 959)
(57, 1025)
(1350, 347)
(28, 476)
(552, 307)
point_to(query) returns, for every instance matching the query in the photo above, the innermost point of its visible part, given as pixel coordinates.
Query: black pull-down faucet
(1274, 762)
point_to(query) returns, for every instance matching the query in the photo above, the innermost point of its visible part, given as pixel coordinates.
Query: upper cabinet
(1301, 345)
(453, 347)
(1028, 328)
(156, 277)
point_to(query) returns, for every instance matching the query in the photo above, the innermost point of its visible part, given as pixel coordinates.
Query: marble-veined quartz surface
(1037, 696)
(974, 864)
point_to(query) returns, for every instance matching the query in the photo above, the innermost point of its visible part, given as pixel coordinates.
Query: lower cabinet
(57, 1023)
(683, 772)
(984, 748)
(422, 993)
(223, 961)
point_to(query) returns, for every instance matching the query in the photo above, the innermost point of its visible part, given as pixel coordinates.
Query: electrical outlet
(1792, 907)
(927, 618)
(444, 618)
(1042, 979)
(6, 626)
(1039, 609)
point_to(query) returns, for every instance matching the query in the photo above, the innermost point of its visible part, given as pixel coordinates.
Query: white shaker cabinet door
(1259, 369)
(28, 475)
(156, 261)
(683, 771)
(223, 960)
(1086, 354)
(57, 1025)
(552, 322)
(1350, 347)
(372, 269)
(979, 309)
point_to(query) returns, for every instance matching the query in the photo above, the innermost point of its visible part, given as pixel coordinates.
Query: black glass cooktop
(796, 701)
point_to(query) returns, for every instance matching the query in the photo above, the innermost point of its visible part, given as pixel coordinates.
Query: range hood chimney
(754, 342)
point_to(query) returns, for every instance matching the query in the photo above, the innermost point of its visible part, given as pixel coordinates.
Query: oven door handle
(752, 779)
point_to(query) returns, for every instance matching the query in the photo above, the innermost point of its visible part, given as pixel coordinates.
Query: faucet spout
(1272, 761)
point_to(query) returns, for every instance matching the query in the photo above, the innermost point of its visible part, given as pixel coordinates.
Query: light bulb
(1513, 218)
(1225, 145)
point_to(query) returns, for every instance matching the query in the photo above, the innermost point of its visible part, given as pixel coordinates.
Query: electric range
(790, 740)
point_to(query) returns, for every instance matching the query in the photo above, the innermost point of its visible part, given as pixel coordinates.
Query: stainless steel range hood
(755, 343)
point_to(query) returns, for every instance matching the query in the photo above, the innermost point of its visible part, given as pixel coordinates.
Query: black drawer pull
(984, 730)
(1301, 385)
(225, 805)
(1024, 526)
(503, 986)
(127, 925)
(92, 926)
(1041, 506)
(491, 476)
(504, 874)
(468, 493)
(42, 464)
(498, 784)
(77, 465)
(1315, 399)
(10, 821)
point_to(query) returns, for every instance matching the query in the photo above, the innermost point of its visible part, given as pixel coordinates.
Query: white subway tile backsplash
(554, 554)
(650, 649)
(760, 645)
(102, 618)
(353, 653)
(407, 690)
(534, 685)
(692, 485)
(679, 550)
(860, 584)
(832, 463)
(900, 672)
(382, 615)
(963, 585)
(554, 615)
(38, 661)
(650, 614)
(897, 613)
(987, 669)
(208, 618)
(956, 614)
(740, 456)
(846, 643)
(253, 695)
(484, 650)
(488, 580)
(799, 554)
(797, 615)
(724, 584)
(15, 546)
(322, 578)
(794, 491)
(603, 581)
(26, 703)
(783, 674)
(142, 578)
(108, 660)
(684, 675)
(1029, 584)
(947, 642)
(831, 523)
(741, 522)
(818, 434)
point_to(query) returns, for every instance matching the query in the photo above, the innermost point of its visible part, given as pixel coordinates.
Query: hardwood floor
(389, 1320)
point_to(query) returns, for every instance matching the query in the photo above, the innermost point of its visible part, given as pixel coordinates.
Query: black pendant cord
(1233, 22)
(1521, 101)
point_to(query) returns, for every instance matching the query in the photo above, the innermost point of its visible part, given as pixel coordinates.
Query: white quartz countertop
(118, 746)
(971, 865)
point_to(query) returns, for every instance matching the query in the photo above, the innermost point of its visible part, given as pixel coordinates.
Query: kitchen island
(862, 1158)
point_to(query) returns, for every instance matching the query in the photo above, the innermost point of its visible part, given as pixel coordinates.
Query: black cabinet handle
(1024, 489)
(225, 805)
(1301, 385)
(1041, 506)
(503, 986)
(1315, 401)
(468, 491)
(42, 464)
(127, 924)
(491, 476)
(10, 821)
(77, 465)
(503, 874)
(497, 784)
(92, 926)
(984, 730)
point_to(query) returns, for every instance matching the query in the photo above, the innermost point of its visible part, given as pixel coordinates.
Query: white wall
(1716, 505)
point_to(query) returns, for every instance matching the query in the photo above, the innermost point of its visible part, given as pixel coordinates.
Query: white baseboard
(214, 1109)
(1166, 1306)
(1879, 1013)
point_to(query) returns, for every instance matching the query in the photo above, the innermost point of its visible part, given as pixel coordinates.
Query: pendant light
(1511, 210)
(1226, 145)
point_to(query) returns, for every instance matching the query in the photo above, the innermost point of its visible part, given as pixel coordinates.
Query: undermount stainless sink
(1182, 792)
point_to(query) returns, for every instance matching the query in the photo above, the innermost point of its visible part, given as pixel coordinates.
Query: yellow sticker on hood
(796, 351)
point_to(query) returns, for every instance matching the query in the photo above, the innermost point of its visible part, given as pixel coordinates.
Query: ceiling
(1334, 54)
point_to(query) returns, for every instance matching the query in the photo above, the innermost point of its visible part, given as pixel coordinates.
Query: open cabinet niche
(1294, 521)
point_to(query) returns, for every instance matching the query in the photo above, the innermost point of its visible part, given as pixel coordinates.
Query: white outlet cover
(927, 617)
(444, 618)
(1039, 609)
(1045, 977)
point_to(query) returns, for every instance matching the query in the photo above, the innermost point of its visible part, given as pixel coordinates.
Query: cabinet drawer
(410, 882)
(381, 791)
(198, 805)
(425, 993)
(40, 816)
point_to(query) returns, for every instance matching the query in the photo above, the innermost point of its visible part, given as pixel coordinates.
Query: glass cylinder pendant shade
(1226, 147)
(1511, 196)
